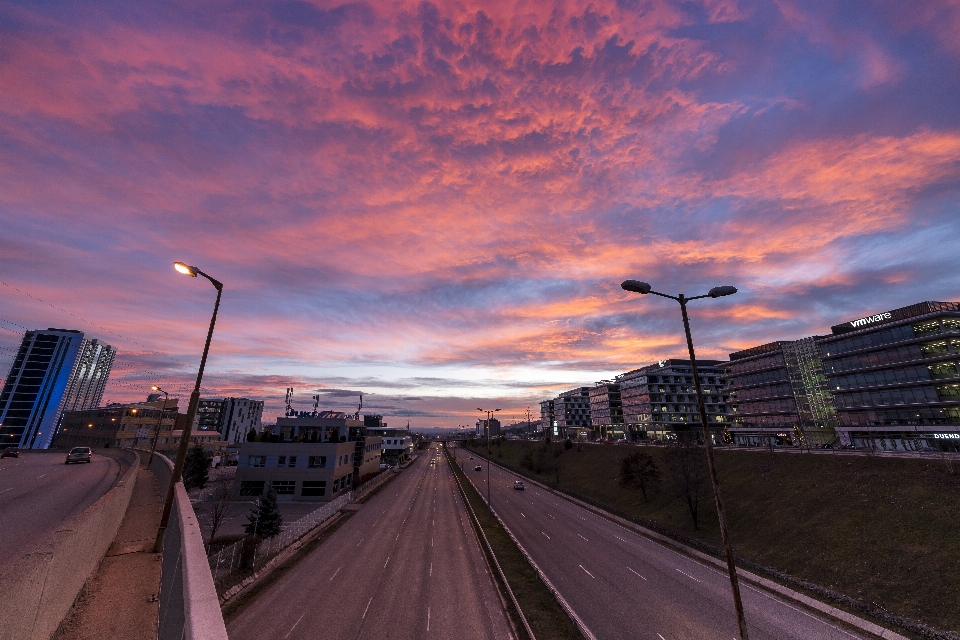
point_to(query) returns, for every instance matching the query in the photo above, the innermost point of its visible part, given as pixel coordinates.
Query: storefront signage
(946, 436)
(880, 317)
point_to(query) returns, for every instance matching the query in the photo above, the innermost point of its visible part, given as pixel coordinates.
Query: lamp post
(156, 434)
(193, 272)
(643, 288)
(486, 431)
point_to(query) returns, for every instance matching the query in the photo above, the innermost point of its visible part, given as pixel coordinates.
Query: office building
(483, 429)
(396, 443)
(571, 411)
(659, 401)
(237, 417)
(547, 420)
(779, 396)
(894, 378)
(54, 371)
(606, 411)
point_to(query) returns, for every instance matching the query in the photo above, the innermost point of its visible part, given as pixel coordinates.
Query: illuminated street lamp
(193, 272)
(635, 286)
(156, 434)
(486, 431)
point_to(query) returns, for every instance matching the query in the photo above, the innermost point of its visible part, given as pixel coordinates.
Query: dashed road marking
(587, 572)
(634, 572)
(365, 609)
(335, 574)
(545, 535)
(689, 576)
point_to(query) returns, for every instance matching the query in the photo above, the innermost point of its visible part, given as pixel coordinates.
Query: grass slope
(884, 531)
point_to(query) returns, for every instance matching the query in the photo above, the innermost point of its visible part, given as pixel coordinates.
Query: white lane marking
(385, 563)
(634, 572)
(428, 618)
(661, 637)
(689, 576)
(810, 615)
(431, 569)
(335, 574)
(521, 513)
(294, 626)
(365, 609)
(398, 536)
(587, 572)
(431, 541)
(359, 543)
(551, 516)
(38, 477)
(545, 535)
(5, 490)
(583, 537)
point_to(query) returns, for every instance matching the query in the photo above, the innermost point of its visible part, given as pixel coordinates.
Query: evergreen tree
(195, 468)
(252, 435)
(265, 520)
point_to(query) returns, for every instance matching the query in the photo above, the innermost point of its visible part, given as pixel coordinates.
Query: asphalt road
(623, 585)
(38, 493)
(407, 565)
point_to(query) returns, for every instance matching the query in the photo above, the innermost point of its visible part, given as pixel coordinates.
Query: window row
(768, 406)
(895, 376)
(896, 334)
(313, 462)
(766, 377)
(912, 416)
(740, 367)
(769, 391)
(906, 395)
(905, 353)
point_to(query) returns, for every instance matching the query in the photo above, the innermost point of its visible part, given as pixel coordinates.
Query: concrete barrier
(189, 605)
(40, 589)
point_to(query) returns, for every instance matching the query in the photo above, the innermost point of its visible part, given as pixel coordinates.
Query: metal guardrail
(231, 558)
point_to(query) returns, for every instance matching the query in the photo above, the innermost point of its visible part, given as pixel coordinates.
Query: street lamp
(486, 432)
(156, 434)
(193, 272)
(635, 286)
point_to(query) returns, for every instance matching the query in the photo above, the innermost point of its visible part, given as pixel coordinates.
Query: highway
(406, 565)
(38, 493)
(623, 585)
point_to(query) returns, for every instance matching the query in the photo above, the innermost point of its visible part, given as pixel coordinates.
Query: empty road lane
(38, 493)
(407, 565)
(623, 585)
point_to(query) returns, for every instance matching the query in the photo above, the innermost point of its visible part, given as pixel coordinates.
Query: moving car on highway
(518, 485)
(478, 468)
(10, 452)
(78, 454)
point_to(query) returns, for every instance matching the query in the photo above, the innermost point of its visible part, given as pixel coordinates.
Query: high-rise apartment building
(895, 378)
(660, 400)
(54, 371)
(232, 417)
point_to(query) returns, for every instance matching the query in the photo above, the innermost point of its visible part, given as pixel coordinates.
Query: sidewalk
(120, 601)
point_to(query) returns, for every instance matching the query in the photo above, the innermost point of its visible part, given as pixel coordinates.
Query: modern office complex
(606, 410)
(54, 371)
(779, 395)
(492, 429)
(546, 416)
(660, 402)
(571, 412)
(894, 377)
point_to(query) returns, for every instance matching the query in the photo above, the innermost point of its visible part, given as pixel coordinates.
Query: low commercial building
(895, 378)
(606, 411)
(396, 444)
(779, 396)
(660, 400)
(301, 471)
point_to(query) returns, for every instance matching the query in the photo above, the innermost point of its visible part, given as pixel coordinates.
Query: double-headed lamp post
(156, 434)
(643, 288)
(193, 272)
(486, 431)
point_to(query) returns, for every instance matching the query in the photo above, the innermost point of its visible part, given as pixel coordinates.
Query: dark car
(518, 485)
(78, 454)
(478, 468)
(10, 452)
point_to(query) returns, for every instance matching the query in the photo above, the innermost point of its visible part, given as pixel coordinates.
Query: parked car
(78, 454)
(518, 485)
(10, 452)
(478, 468)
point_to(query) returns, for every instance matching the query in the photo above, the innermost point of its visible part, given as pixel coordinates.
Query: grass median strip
(546, 618)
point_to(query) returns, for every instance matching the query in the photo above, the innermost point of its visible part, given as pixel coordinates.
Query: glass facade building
(54, 371)
(606, 410)
(547, 422)
(660, 401)
(779, 396)
(895, 378)
(571, 411)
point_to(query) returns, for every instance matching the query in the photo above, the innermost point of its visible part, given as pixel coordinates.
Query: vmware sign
(880, 317)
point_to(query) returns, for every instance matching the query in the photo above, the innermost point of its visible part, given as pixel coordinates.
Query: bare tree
(639, 471)
(219, 504)
(687, 468)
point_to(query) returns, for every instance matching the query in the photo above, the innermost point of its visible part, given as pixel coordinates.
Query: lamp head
(185, 269)
(635, 286)
(717, 292)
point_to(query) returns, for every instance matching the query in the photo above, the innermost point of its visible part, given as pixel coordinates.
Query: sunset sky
(434, 203)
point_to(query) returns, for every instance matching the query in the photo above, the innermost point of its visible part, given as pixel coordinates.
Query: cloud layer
(434, 203)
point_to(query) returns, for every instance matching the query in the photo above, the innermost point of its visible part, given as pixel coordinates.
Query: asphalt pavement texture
(406, 565)
(624, 585)
(39, 493)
